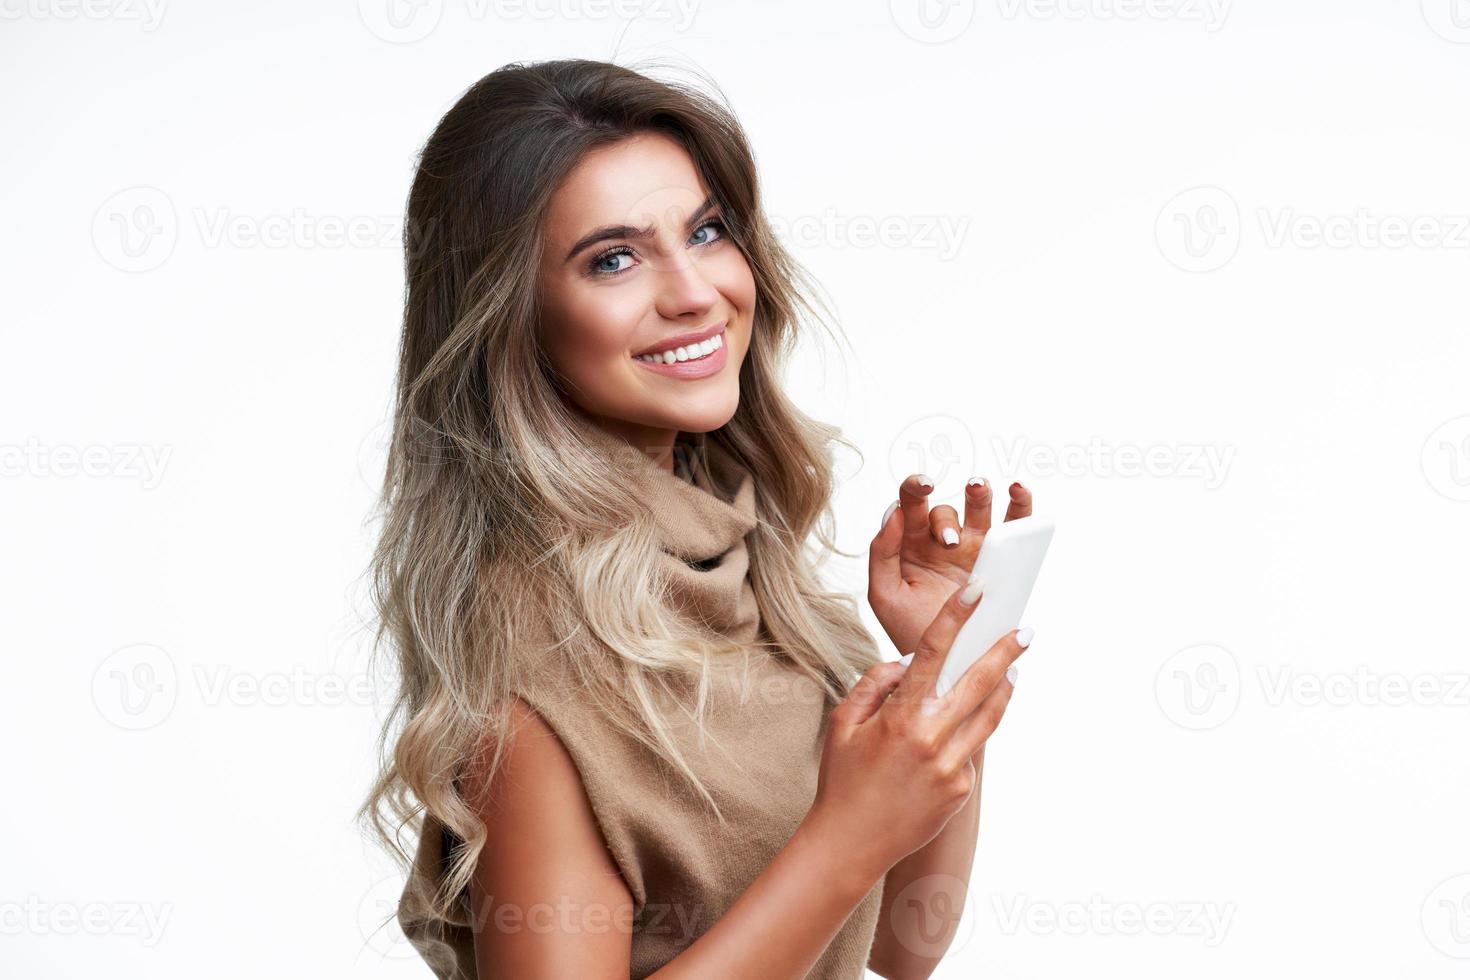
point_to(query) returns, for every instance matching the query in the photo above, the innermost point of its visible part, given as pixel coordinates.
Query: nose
(684, 291)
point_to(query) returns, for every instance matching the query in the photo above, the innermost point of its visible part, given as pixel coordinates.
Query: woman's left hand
(912, 568)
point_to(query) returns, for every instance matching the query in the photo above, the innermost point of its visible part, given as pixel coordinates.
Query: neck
(657, 443)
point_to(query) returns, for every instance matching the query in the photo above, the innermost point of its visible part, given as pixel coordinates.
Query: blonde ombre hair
(499, 524)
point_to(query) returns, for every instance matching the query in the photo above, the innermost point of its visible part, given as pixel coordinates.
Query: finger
(934, 644)
(913, 500)
(972, 734)
(944, 525)
(884, 570)
(977, 504)
(984, 675)
(1020, 505)
(868, 694)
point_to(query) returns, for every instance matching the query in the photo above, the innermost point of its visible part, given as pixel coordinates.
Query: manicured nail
(925, 482)
(972, 590)
(906, 659)
(888, 513)
(1023, 636)
(1018, 483)
(1011, 674)
(977, 481)
(950, 536)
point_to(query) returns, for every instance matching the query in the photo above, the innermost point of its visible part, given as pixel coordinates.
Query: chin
(713, 412)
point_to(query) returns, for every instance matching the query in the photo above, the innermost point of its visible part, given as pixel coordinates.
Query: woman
(631, 738)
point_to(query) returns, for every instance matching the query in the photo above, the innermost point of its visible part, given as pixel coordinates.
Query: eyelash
(593, 270)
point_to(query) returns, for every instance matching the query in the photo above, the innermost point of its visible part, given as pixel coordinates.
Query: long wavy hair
(498, 523)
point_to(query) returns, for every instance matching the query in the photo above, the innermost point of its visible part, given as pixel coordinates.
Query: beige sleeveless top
(683, 869)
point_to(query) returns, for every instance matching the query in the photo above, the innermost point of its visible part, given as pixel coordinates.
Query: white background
(1233, 235)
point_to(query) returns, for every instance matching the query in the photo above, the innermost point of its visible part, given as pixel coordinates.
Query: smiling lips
(686, 352)
(689, 340)
(700, 355)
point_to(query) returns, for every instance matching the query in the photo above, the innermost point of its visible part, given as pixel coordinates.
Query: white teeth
(691, 352)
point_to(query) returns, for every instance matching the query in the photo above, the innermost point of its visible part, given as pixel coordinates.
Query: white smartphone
(1010, 559)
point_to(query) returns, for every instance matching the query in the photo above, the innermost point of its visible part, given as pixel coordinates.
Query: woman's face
(637, 262)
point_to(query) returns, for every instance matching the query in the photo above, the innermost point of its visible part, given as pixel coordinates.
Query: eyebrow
(628, 231)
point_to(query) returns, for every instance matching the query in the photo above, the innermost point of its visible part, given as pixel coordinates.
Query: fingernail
(950, 536)
(905, 659)
(977, 481)
(1018, 483)
(972, 590)
(888, 513)
(1011, 674)
(1023, 636)
(925, 482)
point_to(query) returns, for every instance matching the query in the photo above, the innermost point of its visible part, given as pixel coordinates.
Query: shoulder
(535, 769)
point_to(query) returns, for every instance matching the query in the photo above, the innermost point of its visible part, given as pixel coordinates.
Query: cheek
(589, 326)
(734, 279)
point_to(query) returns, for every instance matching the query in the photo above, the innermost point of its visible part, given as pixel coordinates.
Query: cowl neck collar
(702, 507)
(702, 519)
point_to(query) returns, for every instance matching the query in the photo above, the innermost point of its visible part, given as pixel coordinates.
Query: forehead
(643, 179)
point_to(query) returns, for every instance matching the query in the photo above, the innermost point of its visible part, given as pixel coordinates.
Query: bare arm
(551, 903)
(937, 877)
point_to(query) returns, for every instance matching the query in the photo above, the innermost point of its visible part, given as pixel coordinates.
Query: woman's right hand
(896, 760)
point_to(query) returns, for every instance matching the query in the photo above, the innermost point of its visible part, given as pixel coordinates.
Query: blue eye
(599, 265)
(708, 224)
